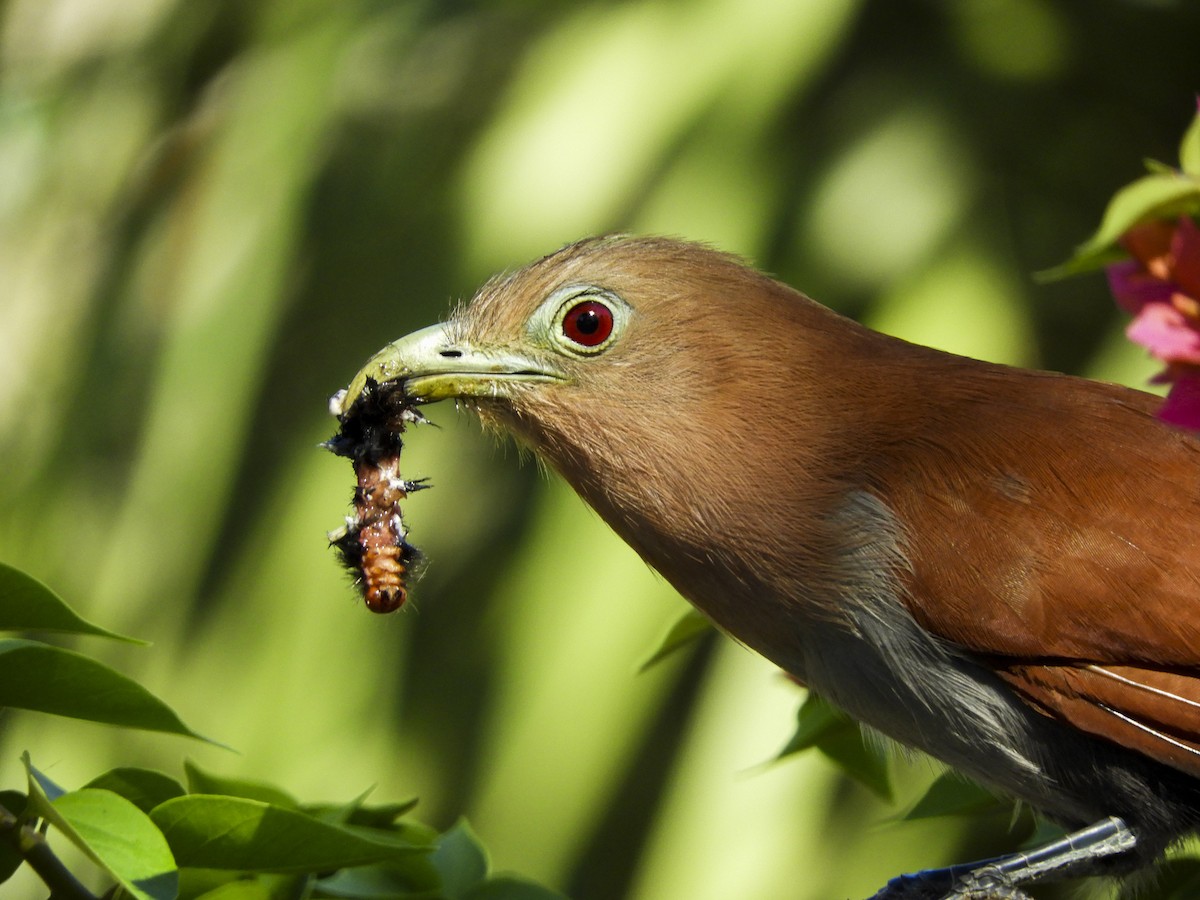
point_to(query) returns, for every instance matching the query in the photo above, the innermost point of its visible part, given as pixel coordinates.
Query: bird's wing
(1155, 711)
(1088, 541)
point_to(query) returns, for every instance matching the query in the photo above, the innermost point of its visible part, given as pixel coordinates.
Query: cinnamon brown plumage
(998, 566)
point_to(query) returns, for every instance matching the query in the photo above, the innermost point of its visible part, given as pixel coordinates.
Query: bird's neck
(724, 532)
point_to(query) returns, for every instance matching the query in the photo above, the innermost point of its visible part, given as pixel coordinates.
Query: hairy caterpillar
(373, 544)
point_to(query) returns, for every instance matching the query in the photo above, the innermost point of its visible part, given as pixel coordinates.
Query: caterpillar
(373, 544)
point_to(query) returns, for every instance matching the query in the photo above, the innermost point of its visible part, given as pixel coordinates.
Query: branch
(33, 848)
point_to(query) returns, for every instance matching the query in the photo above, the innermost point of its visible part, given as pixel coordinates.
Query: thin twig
(33, 848)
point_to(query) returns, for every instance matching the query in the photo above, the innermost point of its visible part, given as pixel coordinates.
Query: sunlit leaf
(1158, 195)
(28, 605)
(688, 629)
(461, 859)
(217, 832)
(144, 788)
(48, 679)
(1189, 148)
(122, 839)
(239, 890)
(201, 782)
(114, 834)
(951, 795)
(1153, 196)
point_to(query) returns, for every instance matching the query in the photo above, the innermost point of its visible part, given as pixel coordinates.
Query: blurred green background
(212, 212)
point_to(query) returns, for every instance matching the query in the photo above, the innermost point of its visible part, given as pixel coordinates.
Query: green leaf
(383, 818)
(40, 786)
(1082, 262)
(950, 795)
(1189, 148)
(416, 877)
(28, 605)
(217, 832)
(48, 679)
(815, 720)
(112, 832)
(239, 890)
(1150, 197)
(383, 815)
(122, 839)
(195, 883)
(201, 782)
(1155, 196)
(1154, 167)
(461, 859)
(689, 628)
(144, 788)
(510, 887)
(837, 736)
(862, 760)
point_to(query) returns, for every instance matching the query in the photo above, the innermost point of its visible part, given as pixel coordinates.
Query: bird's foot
(1082, 852)
(953, 883)
(987, 883)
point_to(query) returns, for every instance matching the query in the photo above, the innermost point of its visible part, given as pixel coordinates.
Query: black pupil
(588, 321)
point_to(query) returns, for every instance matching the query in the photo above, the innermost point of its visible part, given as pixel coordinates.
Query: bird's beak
(432, 367)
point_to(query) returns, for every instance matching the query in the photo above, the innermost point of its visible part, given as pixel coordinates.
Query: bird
(994, 565)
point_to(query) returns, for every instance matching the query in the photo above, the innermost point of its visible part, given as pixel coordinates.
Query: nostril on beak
(451, 354)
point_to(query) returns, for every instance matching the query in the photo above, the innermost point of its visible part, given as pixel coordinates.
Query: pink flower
(1182, 406)
(1167, 333)
(1160, 286)
(1134, 287)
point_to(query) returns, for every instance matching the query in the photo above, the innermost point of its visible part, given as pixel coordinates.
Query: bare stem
(33, 848)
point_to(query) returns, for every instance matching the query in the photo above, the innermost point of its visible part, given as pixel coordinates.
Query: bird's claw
(987, 883)
(984, 883)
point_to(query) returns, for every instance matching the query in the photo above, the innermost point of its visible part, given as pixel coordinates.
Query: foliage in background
(218, 838)
(211, 213)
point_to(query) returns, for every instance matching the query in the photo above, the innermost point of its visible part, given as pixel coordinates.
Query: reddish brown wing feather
(1088, 530)
(1149, 710)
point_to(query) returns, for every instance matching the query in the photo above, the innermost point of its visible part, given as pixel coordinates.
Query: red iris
(588, 323)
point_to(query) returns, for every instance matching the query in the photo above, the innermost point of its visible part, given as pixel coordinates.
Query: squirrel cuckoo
(998, 566)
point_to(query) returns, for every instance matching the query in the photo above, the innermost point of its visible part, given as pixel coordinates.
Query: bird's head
(618, 348)
(670, 384)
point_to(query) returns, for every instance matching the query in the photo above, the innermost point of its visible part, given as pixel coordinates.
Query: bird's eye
(580, 320)
(588, 324)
